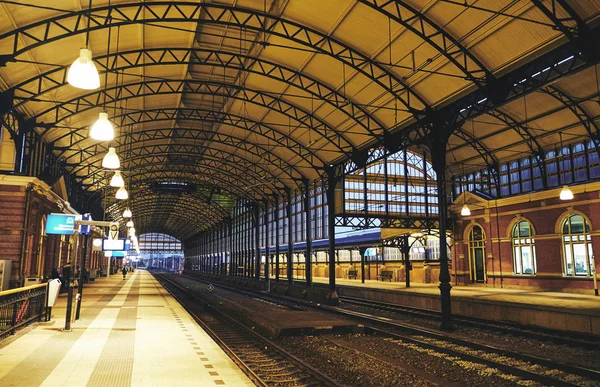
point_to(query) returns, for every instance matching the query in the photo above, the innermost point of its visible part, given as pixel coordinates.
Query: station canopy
(213, 101)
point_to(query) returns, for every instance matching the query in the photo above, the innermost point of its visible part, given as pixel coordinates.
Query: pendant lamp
(130, 224)
(566, 193)
(102, 130)
(122, 194)
(465, 211)
(127, 213)
(117, 180)
(83, 73)
(132, 231)
(111, 160)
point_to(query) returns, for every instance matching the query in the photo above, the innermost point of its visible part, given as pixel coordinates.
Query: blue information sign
(86, 228)
(61, 224)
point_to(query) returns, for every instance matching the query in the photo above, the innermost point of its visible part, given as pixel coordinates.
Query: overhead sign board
(61, 224)
(116, 254)
(85, 229)
(113, 232)
(116, 244)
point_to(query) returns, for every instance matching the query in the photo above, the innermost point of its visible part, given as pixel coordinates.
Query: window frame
(518, 242)
(569, 240)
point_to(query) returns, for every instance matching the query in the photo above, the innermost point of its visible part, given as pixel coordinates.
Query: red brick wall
(543, 215)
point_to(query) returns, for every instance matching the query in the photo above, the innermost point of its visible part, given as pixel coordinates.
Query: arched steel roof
(248, 99)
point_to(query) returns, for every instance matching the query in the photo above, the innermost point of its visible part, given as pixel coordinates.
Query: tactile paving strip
(115, 365)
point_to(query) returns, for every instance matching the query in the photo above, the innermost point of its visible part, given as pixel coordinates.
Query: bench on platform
(352, 274)
(386, 274)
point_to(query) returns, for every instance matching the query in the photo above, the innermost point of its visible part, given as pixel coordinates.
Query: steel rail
(321, 377)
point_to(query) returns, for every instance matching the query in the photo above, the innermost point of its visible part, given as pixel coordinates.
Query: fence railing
(20, 307)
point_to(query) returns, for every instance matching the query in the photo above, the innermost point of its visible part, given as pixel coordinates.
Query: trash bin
(53, 290)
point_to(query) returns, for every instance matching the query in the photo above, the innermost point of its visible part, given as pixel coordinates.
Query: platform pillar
(332, 297)
(267, 249)
(276, 220)
(308, 252)
(438, 156)
(406, 253)
(290, 260)
(82, 275)
(362, 251)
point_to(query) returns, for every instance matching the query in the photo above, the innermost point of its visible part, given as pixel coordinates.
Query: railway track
(263, 361)
(542, 370)
(566, 338)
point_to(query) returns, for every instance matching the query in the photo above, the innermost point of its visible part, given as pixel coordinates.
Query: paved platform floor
(572, 302)
(131, 333)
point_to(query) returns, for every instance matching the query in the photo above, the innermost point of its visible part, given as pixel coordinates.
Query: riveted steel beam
(69, 24)
(34, 88)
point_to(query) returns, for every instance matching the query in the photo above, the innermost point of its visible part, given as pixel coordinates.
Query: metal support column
(276, 215)
(331, 183)
(290, 240)
(82, 274)
(438, 156)
(406, 253)
(267, 252)
(308, 252)
(362, 251)
(256, 242)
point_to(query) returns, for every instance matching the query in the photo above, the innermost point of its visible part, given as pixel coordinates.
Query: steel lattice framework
(271, 100)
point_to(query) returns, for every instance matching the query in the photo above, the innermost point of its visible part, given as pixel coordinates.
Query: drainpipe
(21, 276)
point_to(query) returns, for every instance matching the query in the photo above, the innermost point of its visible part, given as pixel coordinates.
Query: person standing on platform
(124, 271)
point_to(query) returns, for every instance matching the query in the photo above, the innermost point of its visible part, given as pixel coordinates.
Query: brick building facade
(531, 241)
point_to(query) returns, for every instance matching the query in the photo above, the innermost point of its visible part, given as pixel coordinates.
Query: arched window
(477, 254)
(523, 248)
(577, 246)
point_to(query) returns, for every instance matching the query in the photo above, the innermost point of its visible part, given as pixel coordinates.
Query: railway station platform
(131, 333)
(553, 310)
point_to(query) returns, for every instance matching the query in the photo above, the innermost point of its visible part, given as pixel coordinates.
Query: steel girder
(140, 191)
(51, 80)
(568, 102)
(73, 23)
(546, 69)
(76, 137)
(582, 115)
(420, 25)
(490, 160)
(185, 207)
(570, 30)
(154, 173)
(92, 100)
(91, 153)
(239, 173)
(188, 225)
(382, 220)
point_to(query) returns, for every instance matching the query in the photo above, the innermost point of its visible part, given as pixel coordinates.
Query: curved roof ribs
(211, 160)
(45, 31)
(67, 109)
(54, 79)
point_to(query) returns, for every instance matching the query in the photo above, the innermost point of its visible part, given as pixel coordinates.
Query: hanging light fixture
(132, 232)
(127, 213)
(130, 224)
(102, 130)
(465, 210)
(111, 160)
(83, 73)
(565, 193)
(117, 180)
(122, 194)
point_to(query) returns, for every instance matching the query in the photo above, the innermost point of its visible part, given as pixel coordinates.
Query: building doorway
(477, 254)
